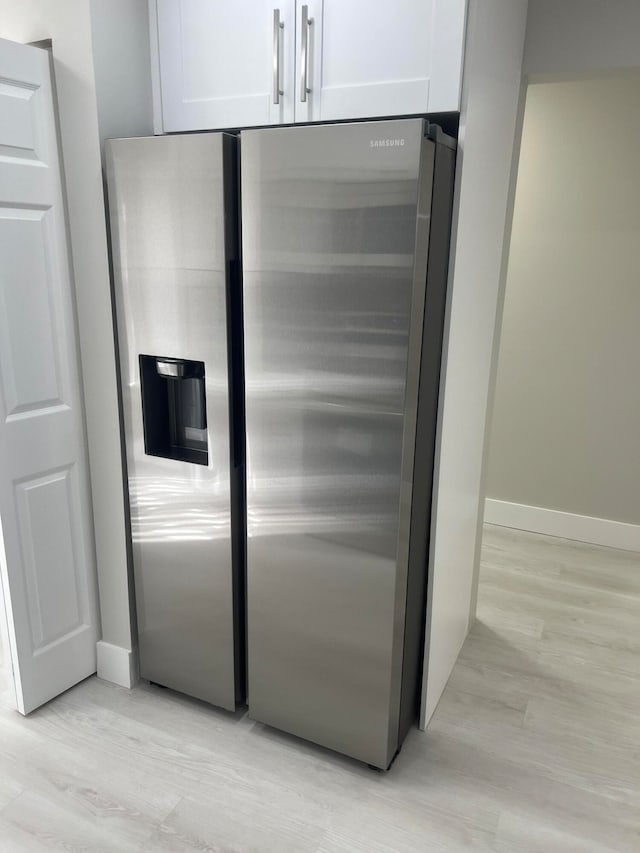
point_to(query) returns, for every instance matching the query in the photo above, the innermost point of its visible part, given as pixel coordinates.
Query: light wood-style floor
(534, 746)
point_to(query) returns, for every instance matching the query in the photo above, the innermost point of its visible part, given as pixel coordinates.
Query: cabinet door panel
(380, 60)
(217, 63)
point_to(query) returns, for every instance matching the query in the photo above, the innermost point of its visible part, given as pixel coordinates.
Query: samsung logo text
(385, 143)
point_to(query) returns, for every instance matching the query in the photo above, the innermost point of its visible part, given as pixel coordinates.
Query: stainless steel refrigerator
(173, 210)
(345, 243)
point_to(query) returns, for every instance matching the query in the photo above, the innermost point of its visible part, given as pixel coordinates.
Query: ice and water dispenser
(174, 408)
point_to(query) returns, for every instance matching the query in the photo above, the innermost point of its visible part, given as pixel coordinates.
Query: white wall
(122, 68)
(68, 23)
(568, 38)
(567, 413)
(489, 116)
(577, 40)
(577, 37)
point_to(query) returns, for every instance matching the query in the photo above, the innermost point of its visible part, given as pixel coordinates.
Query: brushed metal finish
(432, 264)
(305, 36)
(167, 212)
(329, 241)
(408, 495)
(175, 369)
(277, 26)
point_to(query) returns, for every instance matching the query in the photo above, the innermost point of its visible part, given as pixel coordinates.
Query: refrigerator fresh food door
(173, 223)
(333, 335)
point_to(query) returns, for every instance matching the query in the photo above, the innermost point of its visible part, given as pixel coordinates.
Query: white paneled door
(47, 562)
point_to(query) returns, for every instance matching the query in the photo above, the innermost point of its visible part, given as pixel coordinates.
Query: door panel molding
(47, 559)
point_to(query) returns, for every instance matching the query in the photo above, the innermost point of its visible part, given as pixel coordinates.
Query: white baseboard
(551, 522)
(116, 664)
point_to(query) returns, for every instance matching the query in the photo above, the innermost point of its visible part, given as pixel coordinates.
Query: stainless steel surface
(305, 35)
(170, 368)
(332, 343)
(167, 218)
(277, 26)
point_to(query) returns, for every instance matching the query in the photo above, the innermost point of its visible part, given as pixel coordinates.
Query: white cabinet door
(218, 60)
(369, 59)
(47, 562)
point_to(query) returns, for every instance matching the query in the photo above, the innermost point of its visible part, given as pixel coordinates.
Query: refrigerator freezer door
(329, 237)
(171, 251)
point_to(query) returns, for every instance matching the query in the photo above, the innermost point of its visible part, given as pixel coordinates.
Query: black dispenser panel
(174, 408)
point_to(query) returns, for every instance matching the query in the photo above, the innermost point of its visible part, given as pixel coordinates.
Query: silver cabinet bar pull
(277, 26)
(305, 32)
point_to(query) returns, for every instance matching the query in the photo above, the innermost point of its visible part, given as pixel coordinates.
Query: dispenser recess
(174, 411)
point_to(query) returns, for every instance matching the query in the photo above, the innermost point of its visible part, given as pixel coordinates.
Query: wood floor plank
(534, 745)
(35, 822)
(524, 833)
(375, 826)
(236, 820)
(90, 782)
(519, 784)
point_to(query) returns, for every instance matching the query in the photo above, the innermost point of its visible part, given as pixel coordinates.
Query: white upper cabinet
(218, 60)
(228, 64)
(368, 58)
